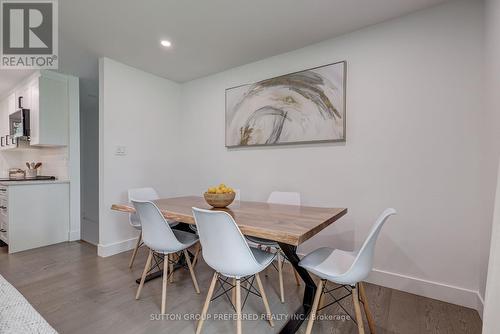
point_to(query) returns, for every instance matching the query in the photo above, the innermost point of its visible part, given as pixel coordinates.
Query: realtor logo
(28, 36)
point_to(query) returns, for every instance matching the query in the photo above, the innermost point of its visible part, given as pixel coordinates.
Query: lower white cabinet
(4, 218)
(34, 214)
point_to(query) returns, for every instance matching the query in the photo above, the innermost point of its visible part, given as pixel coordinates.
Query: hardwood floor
(78, 292)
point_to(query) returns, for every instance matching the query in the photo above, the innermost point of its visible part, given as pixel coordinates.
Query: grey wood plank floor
(78, 292)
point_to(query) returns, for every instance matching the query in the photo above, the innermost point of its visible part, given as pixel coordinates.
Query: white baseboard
(436, 290)
(116, 248)
(480, 305)
(74, 235)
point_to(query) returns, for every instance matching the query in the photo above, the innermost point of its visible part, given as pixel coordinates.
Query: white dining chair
(226, 251)
(163, 243)
(348, 269)
(140, 194)
(278, 197)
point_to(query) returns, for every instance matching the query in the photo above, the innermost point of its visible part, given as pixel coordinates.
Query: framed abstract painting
(296, 108)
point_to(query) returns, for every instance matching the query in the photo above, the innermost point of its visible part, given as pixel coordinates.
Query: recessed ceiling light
(166, 43)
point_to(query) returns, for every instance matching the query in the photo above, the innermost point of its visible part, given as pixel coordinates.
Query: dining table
(288, 225)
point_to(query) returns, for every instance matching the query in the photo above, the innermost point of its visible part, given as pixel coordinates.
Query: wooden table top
(287, 224)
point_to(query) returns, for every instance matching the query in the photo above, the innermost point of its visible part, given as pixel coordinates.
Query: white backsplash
(54, 160)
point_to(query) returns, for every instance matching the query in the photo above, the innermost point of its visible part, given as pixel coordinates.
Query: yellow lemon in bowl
(220, 189)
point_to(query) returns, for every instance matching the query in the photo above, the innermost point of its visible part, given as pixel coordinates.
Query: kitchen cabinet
(46, 95)
(45, 223)
(4, 228)
(49, 111)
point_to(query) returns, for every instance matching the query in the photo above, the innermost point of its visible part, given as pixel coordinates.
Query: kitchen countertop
(30, 183)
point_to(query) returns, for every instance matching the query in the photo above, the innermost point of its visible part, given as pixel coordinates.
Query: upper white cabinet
(45, 94)
(49, 112)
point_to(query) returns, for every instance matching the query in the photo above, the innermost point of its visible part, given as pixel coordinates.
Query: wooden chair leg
(134, 254)
(196, 254)
(357, 310)
(233, 292)
(264, 299)
(322, 299)
(314, 309)
(144, 273)
(369, 316)
(297, 276)
(171, 265)
(164, 287)
(191, 270)
(280, 274)
(238, 306)
(207, 303)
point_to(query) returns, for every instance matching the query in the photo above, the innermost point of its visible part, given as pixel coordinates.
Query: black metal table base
(301, 314)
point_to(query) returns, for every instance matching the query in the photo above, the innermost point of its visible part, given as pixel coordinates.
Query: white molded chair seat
(185, 239)
(328, 263)
(262, 257)
(263, 260)
(346, 268)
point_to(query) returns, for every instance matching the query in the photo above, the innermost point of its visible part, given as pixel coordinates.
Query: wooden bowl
(219, 200)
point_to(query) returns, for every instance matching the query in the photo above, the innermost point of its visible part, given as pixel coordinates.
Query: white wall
(414, 96)
(492, 71)
(141, 112)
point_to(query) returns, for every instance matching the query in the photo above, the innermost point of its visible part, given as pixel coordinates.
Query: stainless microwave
(20, 123)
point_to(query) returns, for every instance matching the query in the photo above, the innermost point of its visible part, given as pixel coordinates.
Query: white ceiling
(207, 36)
